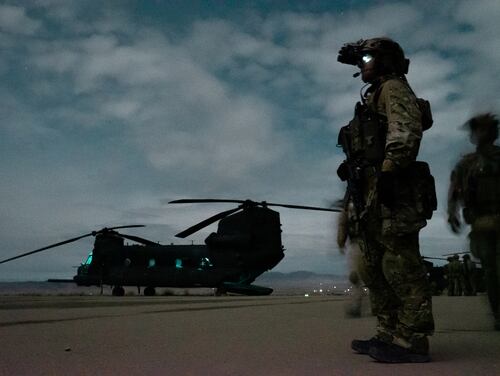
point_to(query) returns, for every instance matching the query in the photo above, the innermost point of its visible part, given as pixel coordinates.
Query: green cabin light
(88, 260)
(178, 263)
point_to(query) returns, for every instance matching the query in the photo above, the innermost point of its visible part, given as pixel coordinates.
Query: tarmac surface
(276, 335)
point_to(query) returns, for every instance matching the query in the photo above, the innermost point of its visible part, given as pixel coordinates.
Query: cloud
(112, 114)
(14, 20)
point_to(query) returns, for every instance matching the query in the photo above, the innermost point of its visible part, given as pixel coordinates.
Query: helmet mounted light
(366, 58)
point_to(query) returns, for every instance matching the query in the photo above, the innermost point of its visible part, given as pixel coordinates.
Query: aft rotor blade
(127, 226)
(303, 207)
(47, 247)
(250, 202)
(204, 200)
(206, 222)
(138, 239)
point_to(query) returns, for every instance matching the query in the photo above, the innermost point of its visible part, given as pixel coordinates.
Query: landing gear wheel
(149, 291)
(118, 291)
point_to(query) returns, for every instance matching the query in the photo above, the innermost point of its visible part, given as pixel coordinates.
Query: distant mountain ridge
(299, 275)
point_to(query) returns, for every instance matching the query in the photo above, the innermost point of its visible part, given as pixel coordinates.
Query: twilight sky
(110, 109)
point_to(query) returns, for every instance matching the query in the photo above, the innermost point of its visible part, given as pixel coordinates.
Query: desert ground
(229, 335)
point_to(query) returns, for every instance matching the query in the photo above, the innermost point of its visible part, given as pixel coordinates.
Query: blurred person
(475, 188)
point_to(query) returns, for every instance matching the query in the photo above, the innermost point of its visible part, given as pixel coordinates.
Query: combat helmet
(389, 54)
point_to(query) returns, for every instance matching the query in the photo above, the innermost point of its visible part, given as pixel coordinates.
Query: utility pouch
(423, 188)
(426, 112)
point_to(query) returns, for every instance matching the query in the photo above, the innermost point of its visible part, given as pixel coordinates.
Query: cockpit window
(88, 260)
(205, 263)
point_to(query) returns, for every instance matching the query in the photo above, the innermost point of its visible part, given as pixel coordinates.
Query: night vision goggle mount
(351, 53)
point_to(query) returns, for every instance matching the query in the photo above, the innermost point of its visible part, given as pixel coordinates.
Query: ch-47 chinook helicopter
(247, 243)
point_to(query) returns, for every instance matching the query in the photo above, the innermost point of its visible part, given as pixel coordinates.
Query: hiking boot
(364, 346)
(397, 354)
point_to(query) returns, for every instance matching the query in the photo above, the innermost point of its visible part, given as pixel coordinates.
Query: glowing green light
(89, 259)
(178, 263)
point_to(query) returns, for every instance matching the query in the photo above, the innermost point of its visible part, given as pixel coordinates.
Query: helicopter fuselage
(245, 245)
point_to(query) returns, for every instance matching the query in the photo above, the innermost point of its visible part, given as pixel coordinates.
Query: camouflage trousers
(486, 246)
(400, 293)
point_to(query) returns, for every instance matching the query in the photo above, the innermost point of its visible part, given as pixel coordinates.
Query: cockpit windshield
(88, 260)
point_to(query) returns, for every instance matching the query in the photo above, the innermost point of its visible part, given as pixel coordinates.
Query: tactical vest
(367, 132)
(363, 141)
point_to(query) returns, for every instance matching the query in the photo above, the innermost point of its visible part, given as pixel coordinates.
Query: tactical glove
(343, 171)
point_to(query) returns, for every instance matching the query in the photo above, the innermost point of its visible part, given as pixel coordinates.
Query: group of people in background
(462, 277)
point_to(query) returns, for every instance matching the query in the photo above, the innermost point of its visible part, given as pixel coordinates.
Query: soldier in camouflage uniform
(389, 190)
(455, 276)
(449, 280)
(475, 186)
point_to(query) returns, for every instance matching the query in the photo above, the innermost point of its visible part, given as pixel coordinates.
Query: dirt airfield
(204, 335)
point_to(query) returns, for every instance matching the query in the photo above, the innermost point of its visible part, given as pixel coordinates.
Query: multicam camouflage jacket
(399, 115)
(396, 105)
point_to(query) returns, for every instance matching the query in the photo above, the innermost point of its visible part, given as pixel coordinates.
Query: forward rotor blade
(93, 233)
(206, 222)
(47, 247)
(303, 207)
